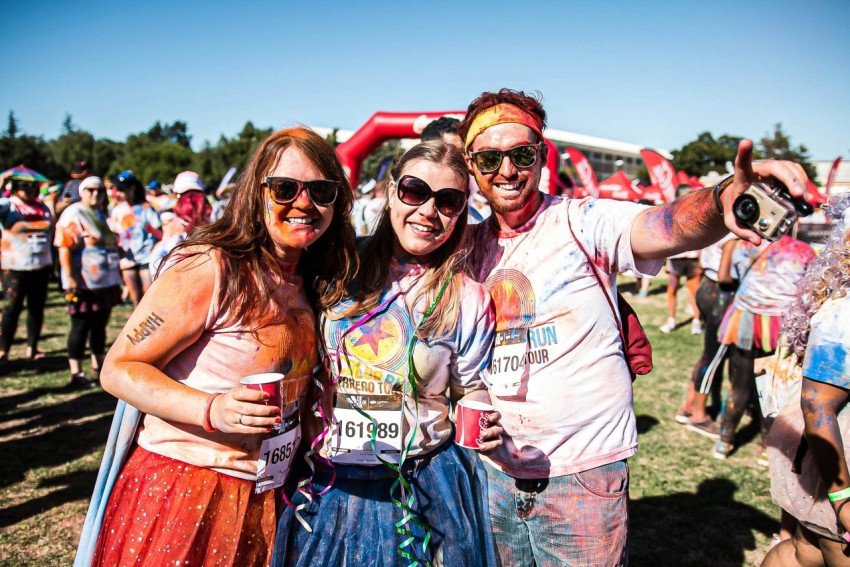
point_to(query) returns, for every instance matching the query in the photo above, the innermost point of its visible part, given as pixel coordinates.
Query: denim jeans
(578, 519)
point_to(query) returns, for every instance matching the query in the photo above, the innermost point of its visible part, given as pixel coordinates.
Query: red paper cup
(468, 420)
(268, 383)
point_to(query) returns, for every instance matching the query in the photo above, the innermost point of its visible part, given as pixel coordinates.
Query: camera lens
(745, 208)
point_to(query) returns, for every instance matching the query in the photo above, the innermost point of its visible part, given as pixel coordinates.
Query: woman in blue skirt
(391, 487)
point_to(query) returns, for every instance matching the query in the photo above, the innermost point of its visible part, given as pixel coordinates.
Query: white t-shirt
(572, 410)
(709, 257)
(769, 285)
(371, 363)
(826, 357)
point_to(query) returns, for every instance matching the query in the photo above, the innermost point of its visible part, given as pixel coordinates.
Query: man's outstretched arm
(695, 221)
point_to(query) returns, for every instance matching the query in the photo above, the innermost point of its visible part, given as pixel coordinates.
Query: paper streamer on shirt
(305, 485)
(406, 498)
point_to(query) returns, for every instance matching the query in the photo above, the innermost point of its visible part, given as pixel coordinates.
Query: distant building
(842, 176)
(605, 155)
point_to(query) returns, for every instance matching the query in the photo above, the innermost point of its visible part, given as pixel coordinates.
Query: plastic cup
(268, 383)
(468, 421)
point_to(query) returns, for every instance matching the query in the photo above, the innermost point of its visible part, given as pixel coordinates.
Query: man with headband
(559, 483)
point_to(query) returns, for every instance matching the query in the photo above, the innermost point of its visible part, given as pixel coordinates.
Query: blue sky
(651, 73)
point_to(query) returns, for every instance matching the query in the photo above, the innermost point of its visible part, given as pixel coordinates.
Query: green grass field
(687, 508)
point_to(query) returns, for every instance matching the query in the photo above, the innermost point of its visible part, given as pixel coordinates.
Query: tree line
(165, 150)
(159, 153)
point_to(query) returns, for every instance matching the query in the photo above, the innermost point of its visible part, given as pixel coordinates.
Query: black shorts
(688, 267)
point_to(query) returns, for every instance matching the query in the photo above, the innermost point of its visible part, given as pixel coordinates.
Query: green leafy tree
(68, 125)
(177, 133)
(105, 158)
(778, 146)
(332, 137)
(149, 160)
(70, 147)
(30, 151)
(371, 164)
(212, 162)
(706, 154)
(12, 127)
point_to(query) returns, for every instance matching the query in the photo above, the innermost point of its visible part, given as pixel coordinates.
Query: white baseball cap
(187, 181)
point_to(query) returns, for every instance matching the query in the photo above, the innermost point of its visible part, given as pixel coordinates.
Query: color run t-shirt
(129, 222)
(709, 258)
(827, 357)
(370, 361)
(558, 374)
(94, 267)
(25, 249)
(769, 286)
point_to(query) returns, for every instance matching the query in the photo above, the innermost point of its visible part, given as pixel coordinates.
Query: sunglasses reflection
(488, 161)
(284, 190)
(415, 192)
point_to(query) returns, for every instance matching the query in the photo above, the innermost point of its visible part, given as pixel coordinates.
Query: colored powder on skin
(661, 221)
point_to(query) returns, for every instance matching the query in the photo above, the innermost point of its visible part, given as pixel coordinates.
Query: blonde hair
(827, 277)
(448, 262)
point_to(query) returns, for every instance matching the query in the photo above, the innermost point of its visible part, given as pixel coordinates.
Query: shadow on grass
(645, 423)
(77, 485)
(9, 402)
(23, 366)
(57, 446)
(633, 288)
(707, 528)
(94, 402)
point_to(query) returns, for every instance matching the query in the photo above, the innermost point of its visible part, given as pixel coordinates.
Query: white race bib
(277, 453)
(36, 243)
(507, 367)
(351, 433)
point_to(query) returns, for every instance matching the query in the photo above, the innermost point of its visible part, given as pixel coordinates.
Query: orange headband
(501, 114)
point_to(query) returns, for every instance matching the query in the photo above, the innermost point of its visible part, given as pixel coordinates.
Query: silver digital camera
(769, 209)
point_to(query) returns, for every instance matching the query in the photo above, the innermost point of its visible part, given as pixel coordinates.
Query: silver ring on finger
(240, 419)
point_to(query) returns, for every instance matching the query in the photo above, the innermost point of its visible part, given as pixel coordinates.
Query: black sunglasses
(24, 185)
(489, 161)
(284, 190)
(414, 192)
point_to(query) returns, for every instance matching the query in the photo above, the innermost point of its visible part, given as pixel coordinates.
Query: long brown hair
(447, 261)
(249, 269)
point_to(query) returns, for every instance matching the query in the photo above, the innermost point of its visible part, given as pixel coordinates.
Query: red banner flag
(584, 171)
(814, 195)
(832, 171)
(682, 178)
(661, 173)
(619, 187)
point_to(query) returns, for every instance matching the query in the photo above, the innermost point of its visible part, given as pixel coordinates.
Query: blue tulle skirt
(354, 522)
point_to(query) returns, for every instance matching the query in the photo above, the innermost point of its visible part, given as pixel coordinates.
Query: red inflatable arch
(383, 126)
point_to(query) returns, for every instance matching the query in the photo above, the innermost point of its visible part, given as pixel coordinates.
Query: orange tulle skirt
(166, 512)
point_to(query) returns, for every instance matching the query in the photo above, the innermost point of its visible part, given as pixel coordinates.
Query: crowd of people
(103, 238)
(455, 279)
